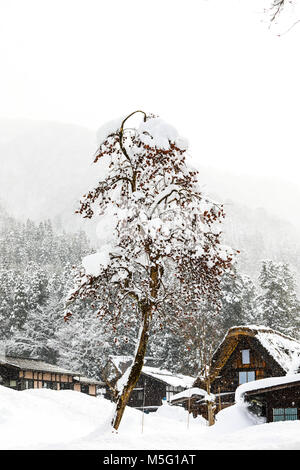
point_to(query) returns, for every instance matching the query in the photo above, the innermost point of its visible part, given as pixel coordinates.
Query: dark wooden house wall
(7, 374)
(283, 397)
(260, 362)
(153, 389)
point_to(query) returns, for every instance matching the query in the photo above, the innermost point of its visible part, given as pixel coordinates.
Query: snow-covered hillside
(49, 419)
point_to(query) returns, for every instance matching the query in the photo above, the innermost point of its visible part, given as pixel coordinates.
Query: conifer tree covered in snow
(238, 300)
(34, 274)
(160, 236)
(278, 306)
(35, 277)
(20, 309)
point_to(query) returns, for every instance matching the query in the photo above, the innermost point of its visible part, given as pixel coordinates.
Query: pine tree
(278, 306)
(33, 283)
(82, 344)
(35, 339)
(20, 306)
(238, 300)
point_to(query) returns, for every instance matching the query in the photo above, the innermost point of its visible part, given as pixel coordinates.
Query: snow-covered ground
(48, 419)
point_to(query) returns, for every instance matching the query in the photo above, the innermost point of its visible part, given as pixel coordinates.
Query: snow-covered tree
(83, 344)
(20, 306)
(36, 279)
(159, 235)
(35, 339)
(278, 306)
(238, 300)
(34, 275)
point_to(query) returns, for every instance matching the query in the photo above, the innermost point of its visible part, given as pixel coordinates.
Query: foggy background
(212, 68)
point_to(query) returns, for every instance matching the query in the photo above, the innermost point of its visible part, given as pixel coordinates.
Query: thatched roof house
(248, 353)
(281, 352)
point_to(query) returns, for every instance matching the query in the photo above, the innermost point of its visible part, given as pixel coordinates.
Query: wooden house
(21, 374)
(275, 398)
(154, 385)
(246, 354)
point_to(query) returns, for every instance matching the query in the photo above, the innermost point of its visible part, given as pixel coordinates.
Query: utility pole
(143, 406)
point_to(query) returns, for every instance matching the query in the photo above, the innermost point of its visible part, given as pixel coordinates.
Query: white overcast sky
(212, 68)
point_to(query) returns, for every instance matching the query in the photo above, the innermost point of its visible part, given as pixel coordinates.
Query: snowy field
(48, 419)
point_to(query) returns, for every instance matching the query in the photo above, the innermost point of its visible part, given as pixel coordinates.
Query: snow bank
(178, 413)
(65, 419)
(234, 418)
(50, 419)
(47, 418)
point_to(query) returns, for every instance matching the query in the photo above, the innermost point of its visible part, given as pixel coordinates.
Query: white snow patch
(264, 383)
(106, 227)
(93, 264)
(234, 418)
(189, 393)
(175, 380)
(109, 128)
(157, 133)
(50, 419)
(178, 413)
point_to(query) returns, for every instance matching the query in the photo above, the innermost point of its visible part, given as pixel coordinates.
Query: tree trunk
(210, 405)
(210, 413)
(136, 367)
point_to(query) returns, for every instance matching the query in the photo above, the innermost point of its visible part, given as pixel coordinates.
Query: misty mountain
(280, 198)
(261, 218)
(47, 166)
(259, 235)
(45, 169)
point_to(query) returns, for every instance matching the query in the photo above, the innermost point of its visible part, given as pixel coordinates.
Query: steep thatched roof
(284, 350)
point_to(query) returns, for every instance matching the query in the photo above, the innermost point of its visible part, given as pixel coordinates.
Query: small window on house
(29, 384)
(170, 391)
(66, 386)
(12, 383)
(84, 388)
(50, 385)
(246, 376)
(284, 414)
(246, 356)
(140, 396)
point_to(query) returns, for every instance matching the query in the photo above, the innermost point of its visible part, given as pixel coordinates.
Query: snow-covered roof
(175, 380)
(282, 348)
(33, 364)
(264, 384)
(285, 350)
(88, 380)
(188, 393)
